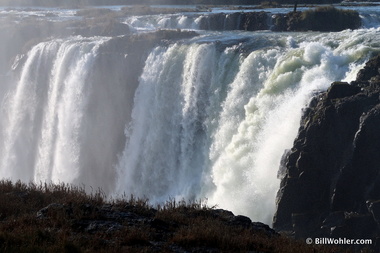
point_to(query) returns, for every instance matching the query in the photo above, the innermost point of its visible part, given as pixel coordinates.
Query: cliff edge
(330, 179)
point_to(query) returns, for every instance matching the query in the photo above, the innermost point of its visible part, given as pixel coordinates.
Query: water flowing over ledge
(201, 117)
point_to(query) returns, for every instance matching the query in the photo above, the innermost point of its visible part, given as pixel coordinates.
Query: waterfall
(166, 145)
(59, 119)
(212, 121)
(174, 21)
(209, 119)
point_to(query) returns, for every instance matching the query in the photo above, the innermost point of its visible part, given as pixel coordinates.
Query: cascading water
(164, 21)
(58, 119)
(210, 121)
(211, 116)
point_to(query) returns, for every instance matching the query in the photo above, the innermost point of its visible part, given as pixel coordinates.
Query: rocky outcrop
(324, 19)
(247, 21)
(63, 218)
(112, 220)
(319, 19)
(330, 179)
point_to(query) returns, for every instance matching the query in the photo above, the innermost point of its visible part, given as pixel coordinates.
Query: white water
(214, 124)
(49, 118)
(211, 116)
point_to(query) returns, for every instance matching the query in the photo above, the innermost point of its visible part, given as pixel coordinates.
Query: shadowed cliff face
(330, 183)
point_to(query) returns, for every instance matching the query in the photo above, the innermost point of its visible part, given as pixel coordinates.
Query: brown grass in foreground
(63, 218)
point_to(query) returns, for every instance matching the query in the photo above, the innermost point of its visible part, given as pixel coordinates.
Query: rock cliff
(324, 19)
(330, 179)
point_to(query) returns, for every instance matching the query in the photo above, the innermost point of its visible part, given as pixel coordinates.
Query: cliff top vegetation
(63, 218)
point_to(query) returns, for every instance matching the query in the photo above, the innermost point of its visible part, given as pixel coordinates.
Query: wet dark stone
(332, 173)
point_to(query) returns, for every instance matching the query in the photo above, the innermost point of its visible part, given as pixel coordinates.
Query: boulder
(341, 90)
(240, 220)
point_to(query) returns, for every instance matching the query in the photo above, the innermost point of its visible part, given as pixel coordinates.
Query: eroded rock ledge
(330, 183)
(324, 19)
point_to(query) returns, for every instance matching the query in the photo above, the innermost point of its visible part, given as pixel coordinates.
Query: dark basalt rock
(370, 70)
(341, 90)
(319, 19)
(241, 220)
(325, 19)
(110, 219)
(331, 177)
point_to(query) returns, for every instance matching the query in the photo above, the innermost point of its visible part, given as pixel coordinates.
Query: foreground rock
(63, 218)
(330, 185)
(155, 228)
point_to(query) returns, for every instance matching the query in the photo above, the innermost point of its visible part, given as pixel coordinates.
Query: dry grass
(175, 226)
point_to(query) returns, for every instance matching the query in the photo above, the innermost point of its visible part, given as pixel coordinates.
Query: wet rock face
(331, 177)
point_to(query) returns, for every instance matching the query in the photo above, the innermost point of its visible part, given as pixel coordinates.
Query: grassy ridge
(63, 218)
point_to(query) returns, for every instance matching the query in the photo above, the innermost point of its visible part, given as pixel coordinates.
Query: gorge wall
(330, 178)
